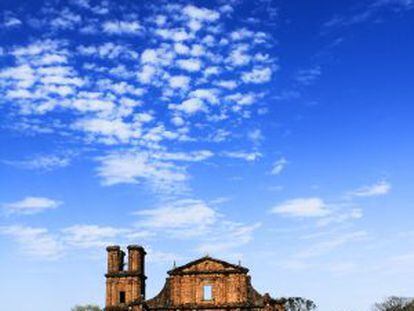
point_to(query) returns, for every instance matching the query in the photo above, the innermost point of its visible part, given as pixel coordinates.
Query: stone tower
(125, 287)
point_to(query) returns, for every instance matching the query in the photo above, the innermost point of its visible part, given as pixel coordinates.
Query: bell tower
(125, 287)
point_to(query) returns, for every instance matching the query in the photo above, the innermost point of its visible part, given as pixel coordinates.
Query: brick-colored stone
(183, 290)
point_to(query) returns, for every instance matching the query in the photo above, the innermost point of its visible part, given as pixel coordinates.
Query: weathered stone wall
(226, 288)
(229, 286)
(129, 284)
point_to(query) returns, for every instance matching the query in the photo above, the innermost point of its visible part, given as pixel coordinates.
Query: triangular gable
(208, 264)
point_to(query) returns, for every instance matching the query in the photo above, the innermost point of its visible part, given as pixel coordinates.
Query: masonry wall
(226, 289)
(130, 285)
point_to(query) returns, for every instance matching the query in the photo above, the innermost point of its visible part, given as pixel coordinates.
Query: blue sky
(278, 133)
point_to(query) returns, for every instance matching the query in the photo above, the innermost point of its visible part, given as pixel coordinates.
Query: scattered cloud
(257, 75)
(134, 167)
(243, 155)
(31, 205)
(255, 136)
(180, 86)
(228, 236)
(182, 217)
(195, 220)
(278, 166)
(326, 246)
(302, 208)
(341, 217)
(121, 27)
(380, 188)
(42, 162)
(369, 12)
(91, 236)
(35, 242)
(308, 76)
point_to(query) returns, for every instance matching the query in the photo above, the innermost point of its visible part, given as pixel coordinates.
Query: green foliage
(395, 304)
(87, 308)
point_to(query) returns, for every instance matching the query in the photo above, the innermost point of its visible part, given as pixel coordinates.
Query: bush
(87, 308)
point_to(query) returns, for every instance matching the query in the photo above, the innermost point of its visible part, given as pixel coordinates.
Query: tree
(394, 303)
(86, 308)
(299, 304)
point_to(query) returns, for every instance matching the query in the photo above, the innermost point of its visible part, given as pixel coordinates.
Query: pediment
(208, 265)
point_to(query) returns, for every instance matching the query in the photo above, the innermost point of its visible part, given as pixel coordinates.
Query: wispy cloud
(183, 217)
(340, 217)
(302, 208)
(35, 242)
(196, 220)
(308, 76)
(42, 162)
(380, 188)
(279, 166)
(160, 170)
(323, 247)
(31, 205)
(243, 155)
(91, 236)
(368, 12)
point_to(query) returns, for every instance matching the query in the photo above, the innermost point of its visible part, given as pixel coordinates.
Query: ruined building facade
(204, 284)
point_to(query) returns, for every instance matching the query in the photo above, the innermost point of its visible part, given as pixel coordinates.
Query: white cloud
(243, 155)
(228, 235)
(66, 19)
(31, 205)
(226, 9)
(210, 95)
(24, 75)
(302, 207)
(190, 106)
(196, 220)
(339, 218)
(42, 162)
(110, 129)
(11, 21)
(379, 188)
(50, 59)
(255, 136)
(181, 48)
(278, 166)
(194, 156)
(241, 34)
(241, 99)
(86, 92)
(122, 27)
(202, 14)
(190, 65)
(257, 75)
(35, 242)
(332, 243)
(90, 236)
(133, 167)
(179, 82)
(177, 121)
(181, 214)
(227, 84)
(176, 35)
(239, 56)
(146, 74)
(308, 76)
(149, 56)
